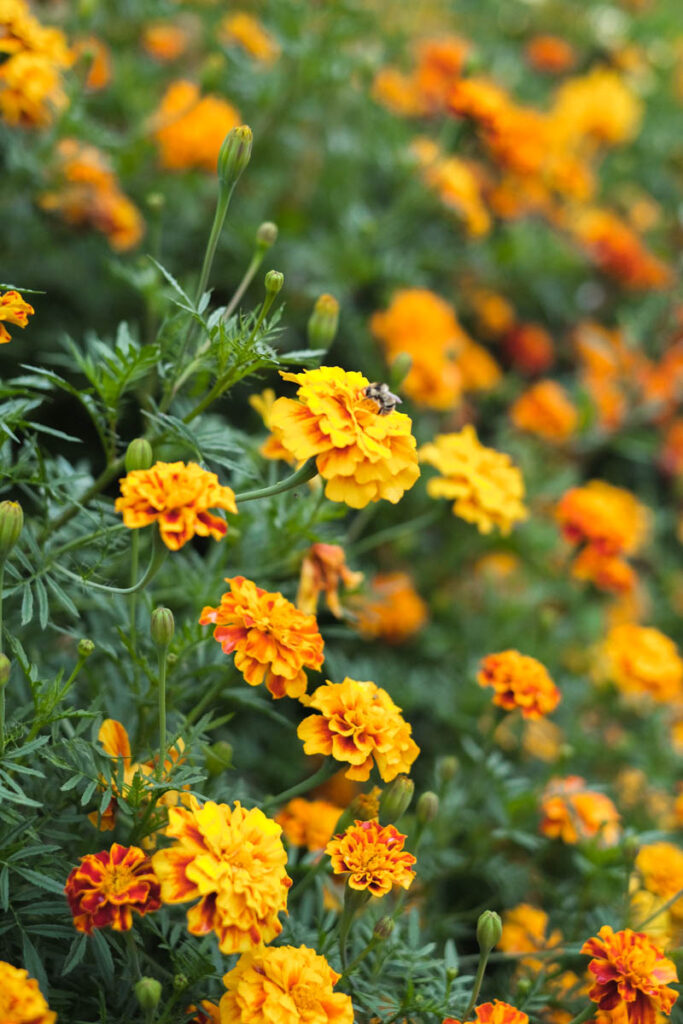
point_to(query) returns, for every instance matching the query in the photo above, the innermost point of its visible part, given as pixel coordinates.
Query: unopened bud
(148, 993)
(218, 757)
(162, 627)
(524, 986)
(489, 931)
(383, 928)
(274, 281)
(235, 154)
(11, 523)
(447, 768)
(451, 974)
(323, 322)
(395, 799)
(139, 455)
(180, 981)
(266, 235)
(400, 368)
(5, 667)
(155, 201)
(427, 807)
(85, 647)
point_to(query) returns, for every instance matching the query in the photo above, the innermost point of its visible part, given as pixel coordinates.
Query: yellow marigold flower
(235, 861)
(488, 488)
(283, 985)
(177, 497)
(545, 409)
(248, 32)
(363, 456)
(572, 813)
(496, 1012)
(21, 1001)
(14, 309)
(393, 610)
(631, 975)
(309, 823)
(263, 405)
(373, 857)
(358, 722)
(274, 641)
(322, 570)
(520, 682)
(164, 41)
(525, 930)
(31, 89)
(610, 518)
(189, 129)
(106, 887)
(599, 105)
(660, 866)
(642, 661)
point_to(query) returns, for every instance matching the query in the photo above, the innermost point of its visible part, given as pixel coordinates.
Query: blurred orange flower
(530, 348)
(525, 930)
(21, 1000)
(96, 56)
(618, 251)
(248, 32)
(308, 823)
(550, 54)
(642, 661)
(607, 517)
(189, 129)
(393, 610)
(546, 410)
(573, 813)
(520, 682)
(322, 570)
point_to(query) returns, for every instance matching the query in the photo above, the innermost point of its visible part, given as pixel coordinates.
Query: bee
(385, 399)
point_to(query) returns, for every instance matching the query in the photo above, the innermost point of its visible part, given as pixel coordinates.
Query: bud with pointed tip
(383, 928)
(235, 154)
(395, 799)
(266, 235)
(274, 281)
(139, 455)
(323, 322)
(489, 931)
(85, 647)
(11, 524)
(427, 807)
(162, 627)
(5, 667)
(148, 993)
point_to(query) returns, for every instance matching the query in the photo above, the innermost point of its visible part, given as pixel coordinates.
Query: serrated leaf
(41, 880)
(33, 964)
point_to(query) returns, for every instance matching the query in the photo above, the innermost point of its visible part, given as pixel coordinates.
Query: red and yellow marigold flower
(632, 975)
(392, 610)
(283, 985)
(610, 518)
(246, 31)
(363, 456)
(572, 812)
(496, 1012)
(231, 859)
(545, 409)
(372, 856)
(274, 642)
(21, 1001)
(308, 823)
(520, 682)
(359, 722)
(642, 661)
(323, 569)
(14, 309)
(525, 930)
(487, 487)
(189, 129)
(106, 887)
(177, 497)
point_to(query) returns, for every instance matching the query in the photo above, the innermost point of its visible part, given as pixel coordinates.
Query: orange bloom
(21, 1001)
(545, 409)
(359, 722)
(271, 448)
(164, 41)
(207, 1013)
(456, 183)
(34, 59)
(671, 454)
(97, 58)
(235, 861)
(189, 129)
(308, 823)
(478, 368)
(608, 517)
(286, 985)
(393, 611)
(496, 1012)
(397, 92)
(488, 488)
(642, 661)
(13, 310)
(322, 570)
(494, 313)
(550, 54)
(108, 886)
(439, 64)
(274, 641)
(573, 813)
(248, 32)
(364, 456)
(631, 974)
(660, 866)
(530, 348)
(618, 251)
(607, 572)
(373, 857)
(525, 930)
(177, 497)
(519, 682)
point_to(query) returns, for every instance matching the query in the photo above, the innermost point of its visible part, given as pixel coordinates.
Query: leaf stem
(159, 552)
(304, 473)
(326, 771)
(478, 979)
(162, 711)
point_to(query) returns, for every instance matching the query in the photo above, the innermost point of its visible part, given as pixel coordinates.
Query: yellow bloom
(31, 89)
(598, 105)
(660, 866)
(373, 857)
(21, 1001)
(642, 661)
(249, 33)
(525, 929)
(271, 447)
(13, 310)
(308, 823)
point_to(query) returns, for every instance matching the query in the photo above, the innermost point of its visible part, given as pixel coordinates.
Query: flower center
(304, 997)
(117, 881)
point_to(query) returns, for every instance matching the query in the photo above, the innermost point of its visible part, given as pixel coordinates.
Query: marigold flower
(206, 1013)
(598, 105)
(607, 572)
(545, 409)
(494, 313)
(21, 1001)
(520, 682)
(97, 58)
(530, 348)
(164, 41)
(108, 886)
(309, 823)
(358, 722)
(488, 488)
(525, 930)
(189, 129)
(322, 570)
(271, 448)
(456, 183)
(14, 309)
(631, 975)
(397, 92)
(362, 455)
(550, 54)
(35, 57)
(439, 64)
(392, 611)
(283, 985)
(274, 641)
(641, 660)
(248, 32)
(235, 861)
(478, 369)
(373, 857)
(177, 497)
(618, 251)
(660, 866)
(572, 813)
(496, 1012)
(607, 517)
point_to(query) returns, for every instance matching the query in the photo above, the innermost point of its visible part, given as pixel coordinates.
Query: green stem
(162, 711)
(256, 261)
(2, 688)
(134, 562)
(585, 1015)
(326, 771)
(306, 472)
(159, 552)
(661, 910)
(478, 979)
(105, 478)
(212, 692)
(361, 956)
(133, 953)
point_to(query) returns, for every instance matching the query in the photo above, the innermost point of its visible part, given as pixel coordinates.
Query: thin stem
(212, 692)
(326, 771)
(585, 1014)
(304, 473)
(105, 478)
(256, 261)
(134, 562)
(162, 711)
(478, 979)
(159, 552)
(2, 688)
(361, 956)
(661, 910)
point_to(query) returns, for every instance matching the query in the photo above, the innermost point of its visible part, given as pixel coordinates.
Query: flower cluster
(106, 887)
(519, 682)
(372, 856)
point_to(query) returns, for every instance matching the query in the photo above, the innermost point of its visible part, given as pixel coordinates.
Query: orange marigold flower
(14, 309)
(478, 369)
(496, 1012)
(21, 1001)
(397, 92)
(641, 660)
(178, 497)
(322, 570)
(363, 456)
(488, 488)
(108, 886)
(393, 610)
(520, 682)
(274, 641)
(439, 64)
(545, 409)
(271, 448)
(164, 41)
(660, 866)
(96, 56)
(631, 974)
(618, 251)
(206, 1013)
(235, 861)
(456, 183)
(608, 517)
(249, 33)
(530, 348)
(607, 572)
(572, 813)
(189, 129)
(359, 721)
(525, 930)
(373, 857)
(309, 823)
(286, 985)
(550, 54)
(494, 313)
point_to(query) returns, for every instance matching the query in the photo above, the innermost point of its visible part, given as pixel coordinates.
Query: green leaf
(75, 954)
(26, 606)
(41, 880)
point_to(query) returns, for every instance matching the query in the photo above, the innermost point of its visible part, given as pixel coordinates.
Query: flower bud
(274, 281)
(218, 757)
(323, 322)
(427, 807)
(395, 799)
(155, 201)
(451, 974)
(162, 627)
(383, 928)
(11, 523)
(400, 368)
(5, 667)
(139, 455)
(235, 154)
(148, 993)
(447, 768)
(180, 981)
(85, 647)
(489, 931)
(266, 235)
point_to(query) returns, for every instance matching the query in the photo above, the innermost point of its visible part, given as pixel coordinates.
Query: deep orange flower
(631, 974)
(550, 53)
(572, 813)
(164, 41)
(189, 129)
(359, 722)
(274, 641)
(323, 569)
(108, 886)
(373, 857)
(177, 497)
(530, 348)
(308, 823)
(14, 309)
(608, 517)
(393, 610)
(642, 661)
(545, 409)
(496, 1012)
(520, 682)
(96, 56)
(364, 456)
(248, 32)
(439, 64)
(618, 251)
(607, 572)
(231, 859)
(21, 1001)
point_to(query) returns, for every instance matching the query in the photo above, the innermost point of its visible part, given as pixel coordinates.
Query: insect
(385, 399)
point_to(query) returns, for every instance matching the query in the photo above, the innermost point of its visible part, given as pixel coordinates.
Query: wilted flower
(373, 857)
(631, 975)
(520, 682)
(108, 886)
(545, 409)
(189, 129)
(248, 32)
(642, 661)
(322, 570)
(14, 309)
(21, 1001)
(308, 823)
(393, 610)
(572, 812)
